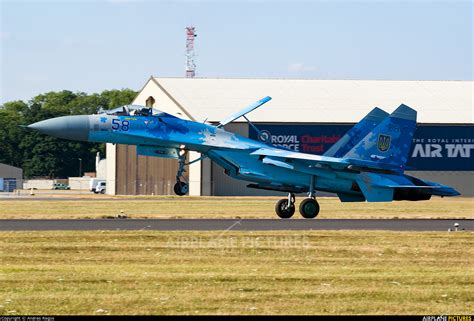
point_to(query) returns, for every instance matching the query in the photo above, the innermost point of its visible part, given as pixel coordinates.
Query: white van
(94, 182)
(100, 188)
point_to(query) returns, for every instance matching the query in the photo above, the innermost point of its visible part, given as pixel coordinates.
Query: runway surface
(235, 224)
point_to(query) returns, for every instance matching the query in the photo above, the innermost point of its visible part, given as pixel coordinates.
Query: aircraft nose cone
(67, 127)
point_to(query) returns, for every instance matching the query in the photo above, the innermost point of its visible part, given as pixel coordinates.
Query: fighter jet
(366, 164)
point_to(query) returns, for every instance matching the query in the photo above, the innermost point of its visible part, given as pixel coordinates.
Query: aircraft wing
(283, 158)
(244, 111)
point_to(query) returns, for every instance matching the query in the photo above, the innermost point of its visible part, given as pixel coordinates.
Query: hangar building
(305, 115)
(11, 178)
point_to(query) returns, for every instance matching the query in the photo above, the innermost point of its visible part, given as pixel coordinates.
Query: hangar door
(143, 175)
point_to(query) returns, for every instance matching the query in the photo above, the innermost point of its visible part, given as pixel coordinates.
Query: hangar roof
(302, 100)
(7, 171)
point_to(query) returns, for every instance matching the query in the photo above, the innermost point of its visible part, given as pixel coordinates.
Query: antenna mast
(190, 64)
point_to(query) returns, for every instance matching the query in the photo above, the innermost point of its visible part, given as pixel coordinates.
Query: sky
(92, 46)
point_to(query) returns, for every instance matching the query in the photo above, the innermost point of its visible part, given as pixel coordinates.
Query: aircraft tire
(309, 208)
(180, 188)
(282, 211)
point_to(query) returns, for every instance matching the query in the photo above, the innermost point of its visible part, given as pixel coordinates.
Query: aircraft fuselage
(229, 150)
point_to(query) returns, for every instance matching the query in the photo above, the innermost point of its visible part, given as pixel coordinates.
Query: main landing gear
(181, 188)
(309, 207)
(285, 208)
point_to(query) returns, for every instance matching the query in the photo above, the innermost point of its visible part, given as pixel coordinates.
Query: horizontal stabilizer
(244, 111)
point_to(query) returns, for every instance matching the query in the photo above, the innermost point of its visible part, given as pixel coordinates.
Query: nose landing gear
(181, 188)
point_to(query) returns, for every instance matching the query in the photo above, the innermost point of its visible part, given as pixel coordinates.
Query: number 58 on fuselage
(366, 164)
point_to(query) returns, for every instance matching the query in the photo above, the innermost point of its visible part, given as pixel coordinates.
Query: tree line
(44, 156)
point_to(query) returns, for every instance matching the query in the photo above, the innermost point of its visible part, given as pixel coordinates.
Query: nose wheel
(181, 188)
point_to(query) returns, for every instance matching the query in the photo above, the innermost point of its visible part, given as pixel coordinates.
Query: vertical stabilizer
(357, 133)
(389, 143)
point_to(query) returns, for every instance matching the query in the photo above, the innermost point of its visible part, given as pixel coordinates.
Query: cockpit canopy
(133, 110)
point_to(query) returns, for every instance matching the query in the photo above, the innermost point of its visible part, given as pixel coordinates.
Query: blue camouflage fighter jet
(366, 164)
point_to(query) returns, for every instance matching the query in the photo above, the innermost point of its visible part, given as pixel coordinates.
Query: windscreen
(134, 110)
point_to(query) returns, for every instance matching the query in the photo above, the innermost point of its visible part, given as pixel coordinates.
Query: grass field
(228, 207)
(236, 272)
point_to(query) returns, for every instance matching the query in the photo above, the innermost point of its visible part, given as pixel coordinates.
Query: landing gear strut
(181, 188)
(309, 207)
(285, 208)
